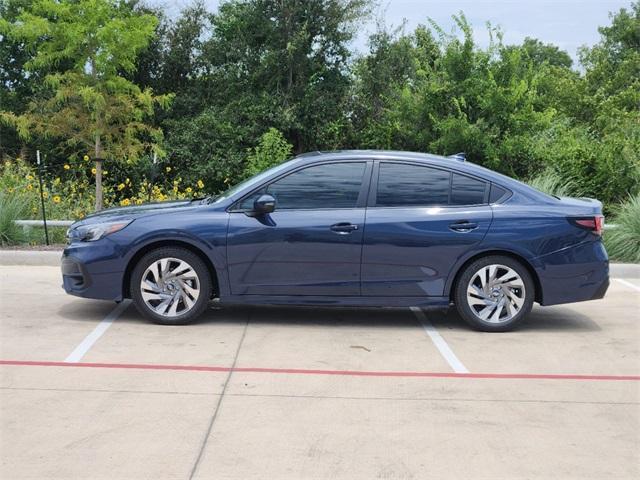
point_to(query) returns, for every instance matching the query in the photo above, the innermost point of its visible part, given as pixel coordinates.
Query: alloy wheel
(170, 287)
(496, 294)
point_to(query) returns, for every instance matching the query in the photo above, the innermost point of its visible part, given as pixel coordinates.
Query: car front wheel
(171, 286)
(494, 293)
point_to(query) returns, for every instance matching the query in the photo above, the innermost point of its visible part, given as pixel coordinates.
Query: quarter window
(407, 185)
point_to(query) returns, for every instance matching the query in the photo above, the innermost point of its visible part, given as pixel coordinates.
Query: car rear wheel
(494, 293)
(171, 286)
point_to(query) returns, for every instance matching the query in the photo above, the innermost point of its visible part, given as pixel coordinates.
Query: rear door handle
(343, 228)
(463, 226)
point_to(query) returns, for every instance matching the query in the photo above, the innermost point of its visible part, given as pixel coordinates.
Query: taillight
(594, 224)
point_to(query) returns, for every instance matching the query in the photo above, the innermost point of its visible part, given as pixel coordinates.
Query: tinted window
(247, 202)
(467, 190)
(496, 193)
(402, 185)
(335, 185)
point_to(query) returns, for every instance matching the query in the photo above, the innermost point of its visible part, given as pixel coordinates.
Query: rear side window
(467, 191)
(333, 185)
(407, 185)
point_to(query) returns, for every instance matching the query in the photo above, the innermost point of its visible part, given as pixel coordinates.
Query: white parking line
(97, 332)
(440, 343)
(628, 284)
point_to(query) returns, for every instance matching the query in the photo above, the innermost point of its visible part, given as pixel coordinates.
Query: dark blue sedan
(348, 228)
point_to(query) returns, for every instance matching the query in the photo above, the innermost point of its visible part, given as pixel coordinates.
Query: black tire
(470, 315)
(203, 277)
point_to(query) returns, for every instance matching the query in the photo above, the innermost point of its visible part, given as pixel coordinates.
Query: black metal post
(44, 215)
(153, 172)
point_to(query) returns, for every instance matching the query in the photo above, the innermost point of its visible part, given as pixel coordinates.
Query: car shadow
(557, 318)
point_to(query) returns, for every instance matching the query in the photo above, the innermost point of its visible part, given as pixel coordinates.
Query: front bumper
(93, 270)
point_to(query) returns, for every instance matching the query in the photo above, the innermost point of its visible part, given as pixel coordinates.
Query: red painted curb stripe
(301, 371)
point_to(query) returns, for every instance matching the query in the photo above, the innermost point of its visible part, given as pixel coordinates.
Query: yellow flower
(121, 186)
(93, 170)
(45, 194)
(56, 199)
(86, 158)
(11, 190)
(29, 187)
(200, 184)
(66, 166)
(29, 177)
(125, 202)
(139, 201)
(168, 169)
(188, 190)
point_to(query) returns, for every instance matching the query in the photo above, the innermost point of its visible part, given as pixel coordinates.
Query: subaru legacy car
(348, 228)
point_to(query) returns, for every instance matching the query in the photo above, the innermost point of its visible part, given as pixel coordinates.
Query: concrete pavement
(314, 393)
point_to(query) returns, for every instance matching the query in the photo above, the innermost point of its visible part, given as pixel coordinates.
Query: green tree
(546, 53)
(90, 105)
(284, 63)
(272, 150)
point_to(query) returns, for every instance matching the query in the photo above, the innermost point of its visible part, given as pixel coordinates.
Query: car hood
(135, 211)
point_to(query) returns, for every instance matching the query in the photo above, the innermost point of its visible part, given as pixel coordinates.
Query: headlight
(91, 233)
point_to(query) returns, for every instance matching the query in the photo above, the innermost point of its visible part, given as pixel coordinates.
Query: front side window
(333, 185)
(401, 185)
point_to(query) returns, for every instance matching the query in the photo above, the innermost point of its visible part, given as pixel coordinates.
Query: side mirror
(264, 204)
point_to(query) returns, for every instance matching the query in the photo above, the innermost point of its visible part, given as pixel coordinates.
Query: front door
(311, 244)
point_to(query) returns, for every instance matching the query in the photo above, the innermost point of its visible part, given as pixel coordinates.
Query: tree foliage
(272, 150)
(287, 68)
(88, 105)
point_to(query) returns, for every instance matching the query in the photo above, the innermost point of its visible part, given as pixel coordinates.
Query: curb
(41, 258)
(51, 258)
(624, 270)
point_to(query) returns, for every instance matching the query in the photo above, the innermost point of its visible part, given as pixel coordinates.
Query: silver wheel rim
(496, 294)
(170, 287)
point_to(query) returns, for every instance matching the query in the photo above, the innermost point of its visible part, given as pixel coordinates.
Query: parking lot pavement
(314, 393)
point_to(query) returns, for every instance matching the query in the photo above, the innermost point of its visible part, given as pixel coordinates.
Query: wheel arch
(506, 253)
(141, 252)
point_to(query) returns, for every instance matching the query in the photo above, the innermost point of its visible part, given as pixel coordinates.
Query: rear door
(420, 221)
(312, 243)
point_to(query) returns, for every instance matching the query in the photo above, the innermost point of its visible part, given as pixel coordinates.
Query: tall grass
(12, 207)
(623, 242)
(550, 182)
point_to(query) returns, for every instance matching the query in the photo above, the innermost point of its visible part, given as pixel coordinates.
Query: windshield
(249, 181)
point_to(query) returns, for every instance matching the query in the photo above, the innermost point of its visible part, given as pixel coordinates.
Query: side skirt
(322, 301)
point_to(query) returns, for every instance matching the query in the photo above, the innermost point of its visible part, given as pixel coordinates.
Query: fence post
(44, 215)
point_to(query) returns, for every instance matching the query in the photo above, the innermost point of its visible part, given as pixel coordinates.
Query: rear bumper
(574, 274)
(86, 273)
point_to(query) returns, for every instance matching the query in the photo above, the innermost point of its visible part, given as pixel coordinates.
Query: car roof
(428, 158)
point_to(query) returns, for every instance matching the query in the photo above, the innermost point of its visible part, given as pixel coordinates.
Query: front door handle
(343, 228)
(463, 226)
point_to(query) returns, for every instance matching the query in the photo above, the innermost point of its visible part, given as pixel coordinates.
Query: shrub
(12, 207)
(70, 195)
(272, 150)
(623, 242)
(552, 183)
